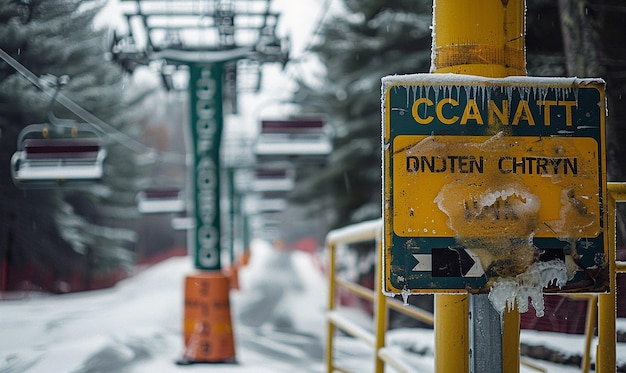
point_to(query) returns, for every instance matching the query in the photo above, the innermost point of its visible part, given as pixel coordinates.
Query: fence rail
(601, 305)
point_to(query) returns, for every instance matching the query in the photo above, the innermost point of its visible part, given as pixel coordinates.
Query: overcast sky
(299, 19)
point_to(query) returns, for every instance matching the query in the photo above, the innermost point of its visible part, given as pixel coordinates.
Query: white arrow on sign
(450, 263)
(477, 269)
(424, 263)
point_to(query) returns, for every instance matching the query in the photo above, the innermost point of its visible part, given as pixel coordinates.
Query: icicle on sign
(493, 178)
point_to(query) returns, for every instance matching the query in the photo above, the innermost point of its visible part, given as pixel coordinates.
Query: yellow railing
(603, 305)
(367, 231)
(605, 353)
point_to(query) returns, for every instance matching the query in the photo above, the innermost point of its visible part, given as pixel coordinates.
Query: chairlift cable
(318, 26)
(296, 62)
(85, 115)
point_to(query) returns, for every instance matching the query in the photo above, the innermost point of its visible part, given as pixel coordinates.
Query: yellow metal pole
(330, 328)
(380, 302)
(484, 38)
(590, 323)
(510, 341)
(451, 333)
(605, 351)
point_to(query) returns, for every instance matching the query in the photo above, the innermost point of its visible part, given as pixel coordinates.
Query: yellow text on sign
(480, 186)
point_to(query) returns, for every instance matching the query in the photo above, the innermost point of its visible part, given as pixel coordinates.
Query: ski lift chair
(183, 223)
(272, 202)
(160, 200)
(269, 179)
(61, 152)
(295, 140)
(63, 155)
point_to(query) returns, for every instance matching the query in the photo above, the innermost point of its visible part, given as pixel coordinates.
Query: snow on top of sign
(477, 85)
(463, 79)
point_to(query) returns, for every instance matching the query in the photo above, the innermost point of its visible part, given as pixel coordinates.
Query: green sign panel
(493, 178)
(207, 120)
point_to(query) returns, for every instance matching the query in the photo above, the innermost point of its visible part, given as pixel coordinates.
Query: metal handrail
(606, 348)
(600, 305)
(366, 231)
(355, 233)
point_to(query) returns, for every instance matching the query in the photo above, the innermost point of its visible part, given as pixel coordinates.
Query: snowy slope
(136, 326)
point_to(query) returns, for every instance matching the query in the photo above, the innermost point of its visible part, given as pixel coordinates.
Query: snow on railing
(365, 231)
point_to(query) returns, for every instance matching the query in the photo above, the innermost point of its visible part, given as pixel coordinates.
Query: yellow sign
(488, 179)
(477, 186)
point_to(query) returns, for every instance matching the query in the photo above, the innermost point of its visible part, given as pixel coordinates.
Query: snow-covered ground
(136, 326)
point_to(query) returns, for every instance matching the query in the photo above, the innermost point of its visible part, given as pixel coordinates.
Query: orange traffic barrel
(207, 326)
(232, 272)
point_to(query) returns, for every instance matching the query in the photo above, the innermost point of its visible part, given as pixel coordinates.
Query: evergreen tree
(378, 38)
(593, 47)
(63, 231)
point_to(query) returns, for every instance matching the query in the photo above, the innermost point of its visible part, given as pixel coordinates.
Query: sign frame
(432, 115)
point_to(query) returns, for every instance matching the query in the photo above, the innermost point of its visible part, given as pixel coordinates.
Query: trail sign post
(483, 177)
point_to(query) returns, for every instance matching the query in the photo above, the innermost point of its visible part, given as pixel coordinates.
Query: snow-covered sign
(484, 178)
